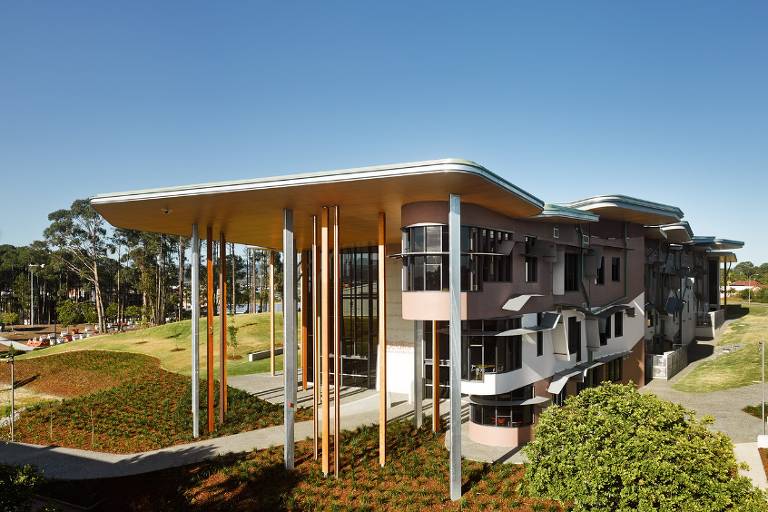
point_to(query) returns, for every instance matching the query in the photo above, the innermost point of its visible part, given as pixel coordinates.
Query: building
(475, 285)
(740, 286)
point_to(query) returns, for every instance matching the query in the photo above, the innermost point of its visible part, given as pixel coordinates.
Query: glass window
(433, 239)
(531, 269)
(572, 272)
(614, 370)
(539, 336)
(574, 337)
(433, 272)
(615, 269)
(619, 324)
(601, 271)
(417, 239)
(417, 273)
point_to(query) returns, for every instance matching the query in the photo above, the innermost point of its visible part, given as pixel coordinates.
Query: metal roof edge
(351, 174)
(558, 210)
(629, 203)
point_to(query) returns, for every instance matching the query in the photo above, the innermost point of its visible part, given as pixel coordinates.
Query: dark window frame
(615, 269)
(618, 324)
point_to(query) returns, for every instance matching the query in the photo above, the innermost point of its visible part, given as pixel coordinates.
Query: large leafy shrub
(612, 448)
(17, 485)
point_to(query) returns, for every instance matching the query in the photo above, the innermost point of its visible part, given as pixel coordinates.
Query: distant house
(738, 286)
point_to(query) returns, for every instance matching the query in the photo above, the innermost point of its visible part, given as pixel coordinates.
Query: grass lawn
(123, 403)
(736, 369)
(415, 478)
(170, 343)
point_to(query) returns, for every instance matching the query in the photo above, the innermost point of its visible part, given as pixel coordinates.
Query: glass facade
(482, 351)
(359, 322)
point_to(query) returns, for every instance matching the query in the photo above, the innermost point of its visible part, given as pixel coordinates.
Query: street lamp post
(749, 290)
(32, 266)
(762, 385)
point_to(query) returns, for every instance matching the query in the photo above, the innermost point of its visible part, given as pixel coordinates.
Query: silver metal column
(289, 334)
(418, 373)
(454, 279)
(195, 294)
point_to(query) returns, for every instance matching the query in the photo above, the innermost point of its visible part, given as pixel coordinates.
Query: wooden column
(272, 312)
(315, 336)
(304, 321)
(326, 335)
(435, 378)
(209, 341)
(337, 341)
(382, 300)
(223, 324)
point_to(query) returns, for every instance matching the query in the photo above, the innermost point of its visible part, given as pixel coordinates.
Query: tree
(611, 448)
(80, 237)
(68, 312)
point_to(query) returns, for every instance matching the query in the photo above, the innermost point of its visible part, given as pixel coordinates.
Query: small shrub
(9, 318)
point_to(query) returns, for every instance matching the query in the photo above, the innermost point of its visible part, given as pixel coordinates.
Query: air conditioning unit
(555, 232)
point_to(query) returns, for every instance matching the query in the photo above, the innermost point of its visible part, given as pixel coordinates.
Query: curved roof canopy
(565, 214)
(677, 232)
(629, 209)
(720, 244)
(251, 211)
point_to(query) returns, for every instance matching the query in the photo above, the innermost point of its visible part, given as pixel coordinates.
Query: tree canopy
(612, 448)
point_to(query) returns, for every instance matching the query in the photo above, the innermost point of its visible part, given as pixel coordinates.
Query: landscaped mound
(611, 448)
(415, 478)
(136, 405)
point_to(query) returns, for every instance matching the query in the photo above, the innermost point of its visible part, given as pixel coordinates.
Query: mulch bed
(126, 403)
(414, 478)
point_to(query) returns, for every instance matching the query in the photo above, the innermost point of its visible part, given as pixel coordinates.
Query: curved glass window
(485, 257)
(484, 352)
(501, 416)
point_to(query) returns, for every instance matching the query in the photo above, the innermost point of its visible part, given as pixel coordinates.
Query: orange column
(209, 341)
(315, 335)
(223, 323)
(382, 299)
(326, 335)
(304, 320)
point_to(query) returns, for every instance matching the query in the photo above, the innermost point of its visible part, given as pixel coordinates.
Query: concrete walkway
(747, 452)
(726, 408)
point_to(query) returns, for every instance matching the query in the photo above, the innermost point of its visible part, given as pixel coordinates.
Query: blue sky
(661, 100)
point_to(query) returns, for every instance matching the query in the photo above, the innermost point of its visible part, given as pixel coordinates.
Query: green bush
(133, 312)
(69, 313)
(111, 312)
(88, 312)
(611, 448)
(17, 485)
(9, 318)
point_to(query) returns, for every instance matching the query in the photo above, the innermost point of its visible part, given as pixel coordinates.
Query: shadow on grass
(734, 311)
(699, 351)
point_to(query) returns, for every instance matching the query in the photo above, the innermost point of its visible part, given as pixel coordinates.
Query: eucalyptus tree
(80, 241)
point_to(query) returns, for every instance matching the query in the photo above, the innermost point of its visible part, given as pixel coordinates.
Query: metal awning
(557, 385)
(611, 357)
(517, 303)
(481, 400)
(548, 322)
